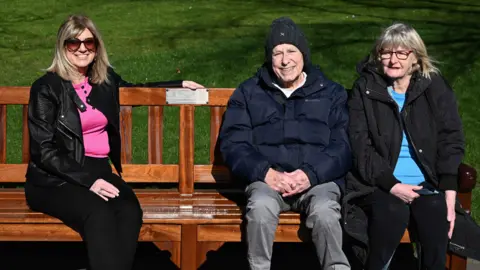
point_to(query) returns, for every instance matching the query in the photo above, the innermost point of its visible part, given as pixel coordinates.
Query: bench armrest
(467, 178)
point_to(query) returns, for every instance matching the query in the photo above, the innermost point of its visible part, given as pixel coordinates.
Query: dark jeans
(109, 229)
(389, 217)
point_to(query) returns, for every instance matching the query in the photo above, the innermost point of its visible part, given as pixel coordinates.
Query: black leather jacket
(56, 141)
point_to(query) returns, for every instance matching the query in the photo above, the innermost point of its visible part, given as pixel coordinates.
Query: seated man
(284, 134)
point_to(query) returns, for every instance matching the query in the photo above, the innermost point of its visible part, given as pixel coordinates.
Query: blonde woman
(407, 143)
(73, 122)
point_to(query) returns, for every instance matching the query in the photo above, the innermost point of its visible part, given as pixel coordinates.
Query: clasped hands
(287, 183)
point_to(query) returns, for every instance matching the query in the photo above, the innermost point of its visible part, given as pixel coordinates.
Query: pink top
(95, 137)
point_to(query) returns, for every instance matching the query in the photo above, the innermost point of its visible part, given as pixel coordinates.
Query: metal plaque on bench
(186, 96)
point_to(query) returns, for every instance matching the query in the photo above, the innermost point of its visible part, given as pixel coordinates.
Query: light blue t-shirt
(406, 170)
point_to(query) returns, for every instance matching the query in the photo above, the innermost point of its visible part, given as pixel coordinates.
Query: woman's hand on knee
(405, 192)
(104, 189)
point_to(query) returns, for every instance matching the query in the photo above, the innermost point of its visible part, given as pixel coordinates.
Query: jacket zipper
(425, 167)
(65, 134)
(67, 128)
(399, 117)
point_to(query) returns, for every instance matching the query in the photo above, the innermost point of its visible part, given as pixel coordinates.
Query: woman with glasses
(73, 122)
(407, 143)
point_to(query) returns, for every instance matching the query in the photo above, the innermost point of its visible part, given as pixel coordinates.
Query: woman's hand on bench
(192, 85)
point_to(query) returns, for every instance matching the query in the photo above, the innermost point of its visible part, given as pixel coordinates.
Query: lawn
(220, 44)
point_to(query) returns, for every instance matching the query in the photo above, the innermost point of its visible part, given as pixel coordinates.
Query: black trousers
(389, 217)
(109, 229)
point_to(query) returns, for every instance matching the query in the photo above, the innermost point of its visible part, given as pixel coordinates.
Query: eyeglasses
(402, 55)
(74, 44)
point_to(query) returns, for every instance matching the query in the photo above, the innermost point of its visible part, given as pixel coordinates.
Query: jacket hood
(364, 67)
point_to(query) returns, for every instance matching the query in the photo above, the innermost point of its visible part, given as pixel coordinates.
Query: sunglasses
(73, 44)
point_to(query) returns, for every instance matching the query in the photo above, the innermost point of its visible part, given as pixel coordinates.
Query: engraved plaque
(186, 96)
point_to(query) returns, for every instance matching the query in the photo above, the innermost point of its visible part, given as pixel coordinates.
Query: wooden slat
(186, 149)
(212, 174)
(60, 232)
(129, 96)
(189, 247)
(25, 136)
(216, 114)
(3, 133)
(142, 96)
(14, 95)
(126, 134)
(150, 173)
(232, 233)
(11, 193)
(132, 173)
(219, 96)
(405, 237)
(155, 134)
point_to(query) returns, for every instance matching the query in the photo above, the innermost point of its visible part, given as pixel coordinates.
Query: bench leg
(455, 262)
(203, 248)
(189, 247)
(174, 248)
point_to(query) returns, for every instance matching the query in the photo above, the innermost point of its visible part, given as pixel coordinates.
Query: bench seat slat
(60, 232)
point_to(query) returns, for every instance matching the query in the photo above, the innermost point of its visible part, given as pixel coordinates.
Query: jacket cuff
(88, 181)
(386, 181)
(312, 177)
(448, 182)
(262, 174)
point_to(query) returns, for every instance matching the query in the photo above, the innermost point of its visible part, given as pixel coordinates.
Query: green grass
(220, 44)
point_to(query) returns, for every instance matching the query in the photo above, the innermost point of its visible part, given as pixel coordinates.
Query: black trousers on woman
(109, 229)
(389, 217)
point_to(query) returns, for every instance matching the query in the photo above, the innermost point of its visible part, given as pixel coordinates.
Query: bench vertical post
(216, 114)
(3, 133)
(186, 183)
(186, 149)
(155, 134)
(25, 136)
(126, 134)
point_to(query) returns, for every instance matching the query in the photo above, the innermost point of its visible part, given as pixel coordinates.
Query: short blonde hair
(400, 34)
(73, 26)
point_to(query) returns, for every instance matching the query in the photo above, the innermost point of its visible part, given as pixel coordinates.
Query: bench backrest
(185, 173)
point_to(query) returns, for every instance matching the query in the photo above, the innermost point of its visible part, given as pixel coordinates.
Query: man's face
(287, 64)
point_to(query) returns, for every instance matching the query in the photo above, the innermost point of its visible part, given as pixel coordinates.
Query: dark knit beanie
(284, 31)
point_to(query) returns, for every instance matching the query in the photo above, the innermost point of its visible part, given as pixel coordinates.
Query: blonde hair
(73, 26)
(400, 34)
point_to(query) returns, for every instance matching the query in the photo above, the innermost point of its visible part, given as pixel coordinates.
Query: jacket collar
(377, 83)
(315, 77)
(72, 94)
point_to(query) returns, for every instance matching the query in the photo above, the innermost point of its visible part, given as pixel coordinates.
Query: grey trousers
(322, 210)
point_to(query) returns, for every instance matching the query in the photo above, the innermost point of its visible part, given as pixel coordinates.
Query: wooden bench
(197, 215)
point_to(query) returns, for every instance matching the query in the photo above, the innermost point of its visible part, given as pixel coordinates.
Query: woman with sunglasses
(407, 143)
(73, 121)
